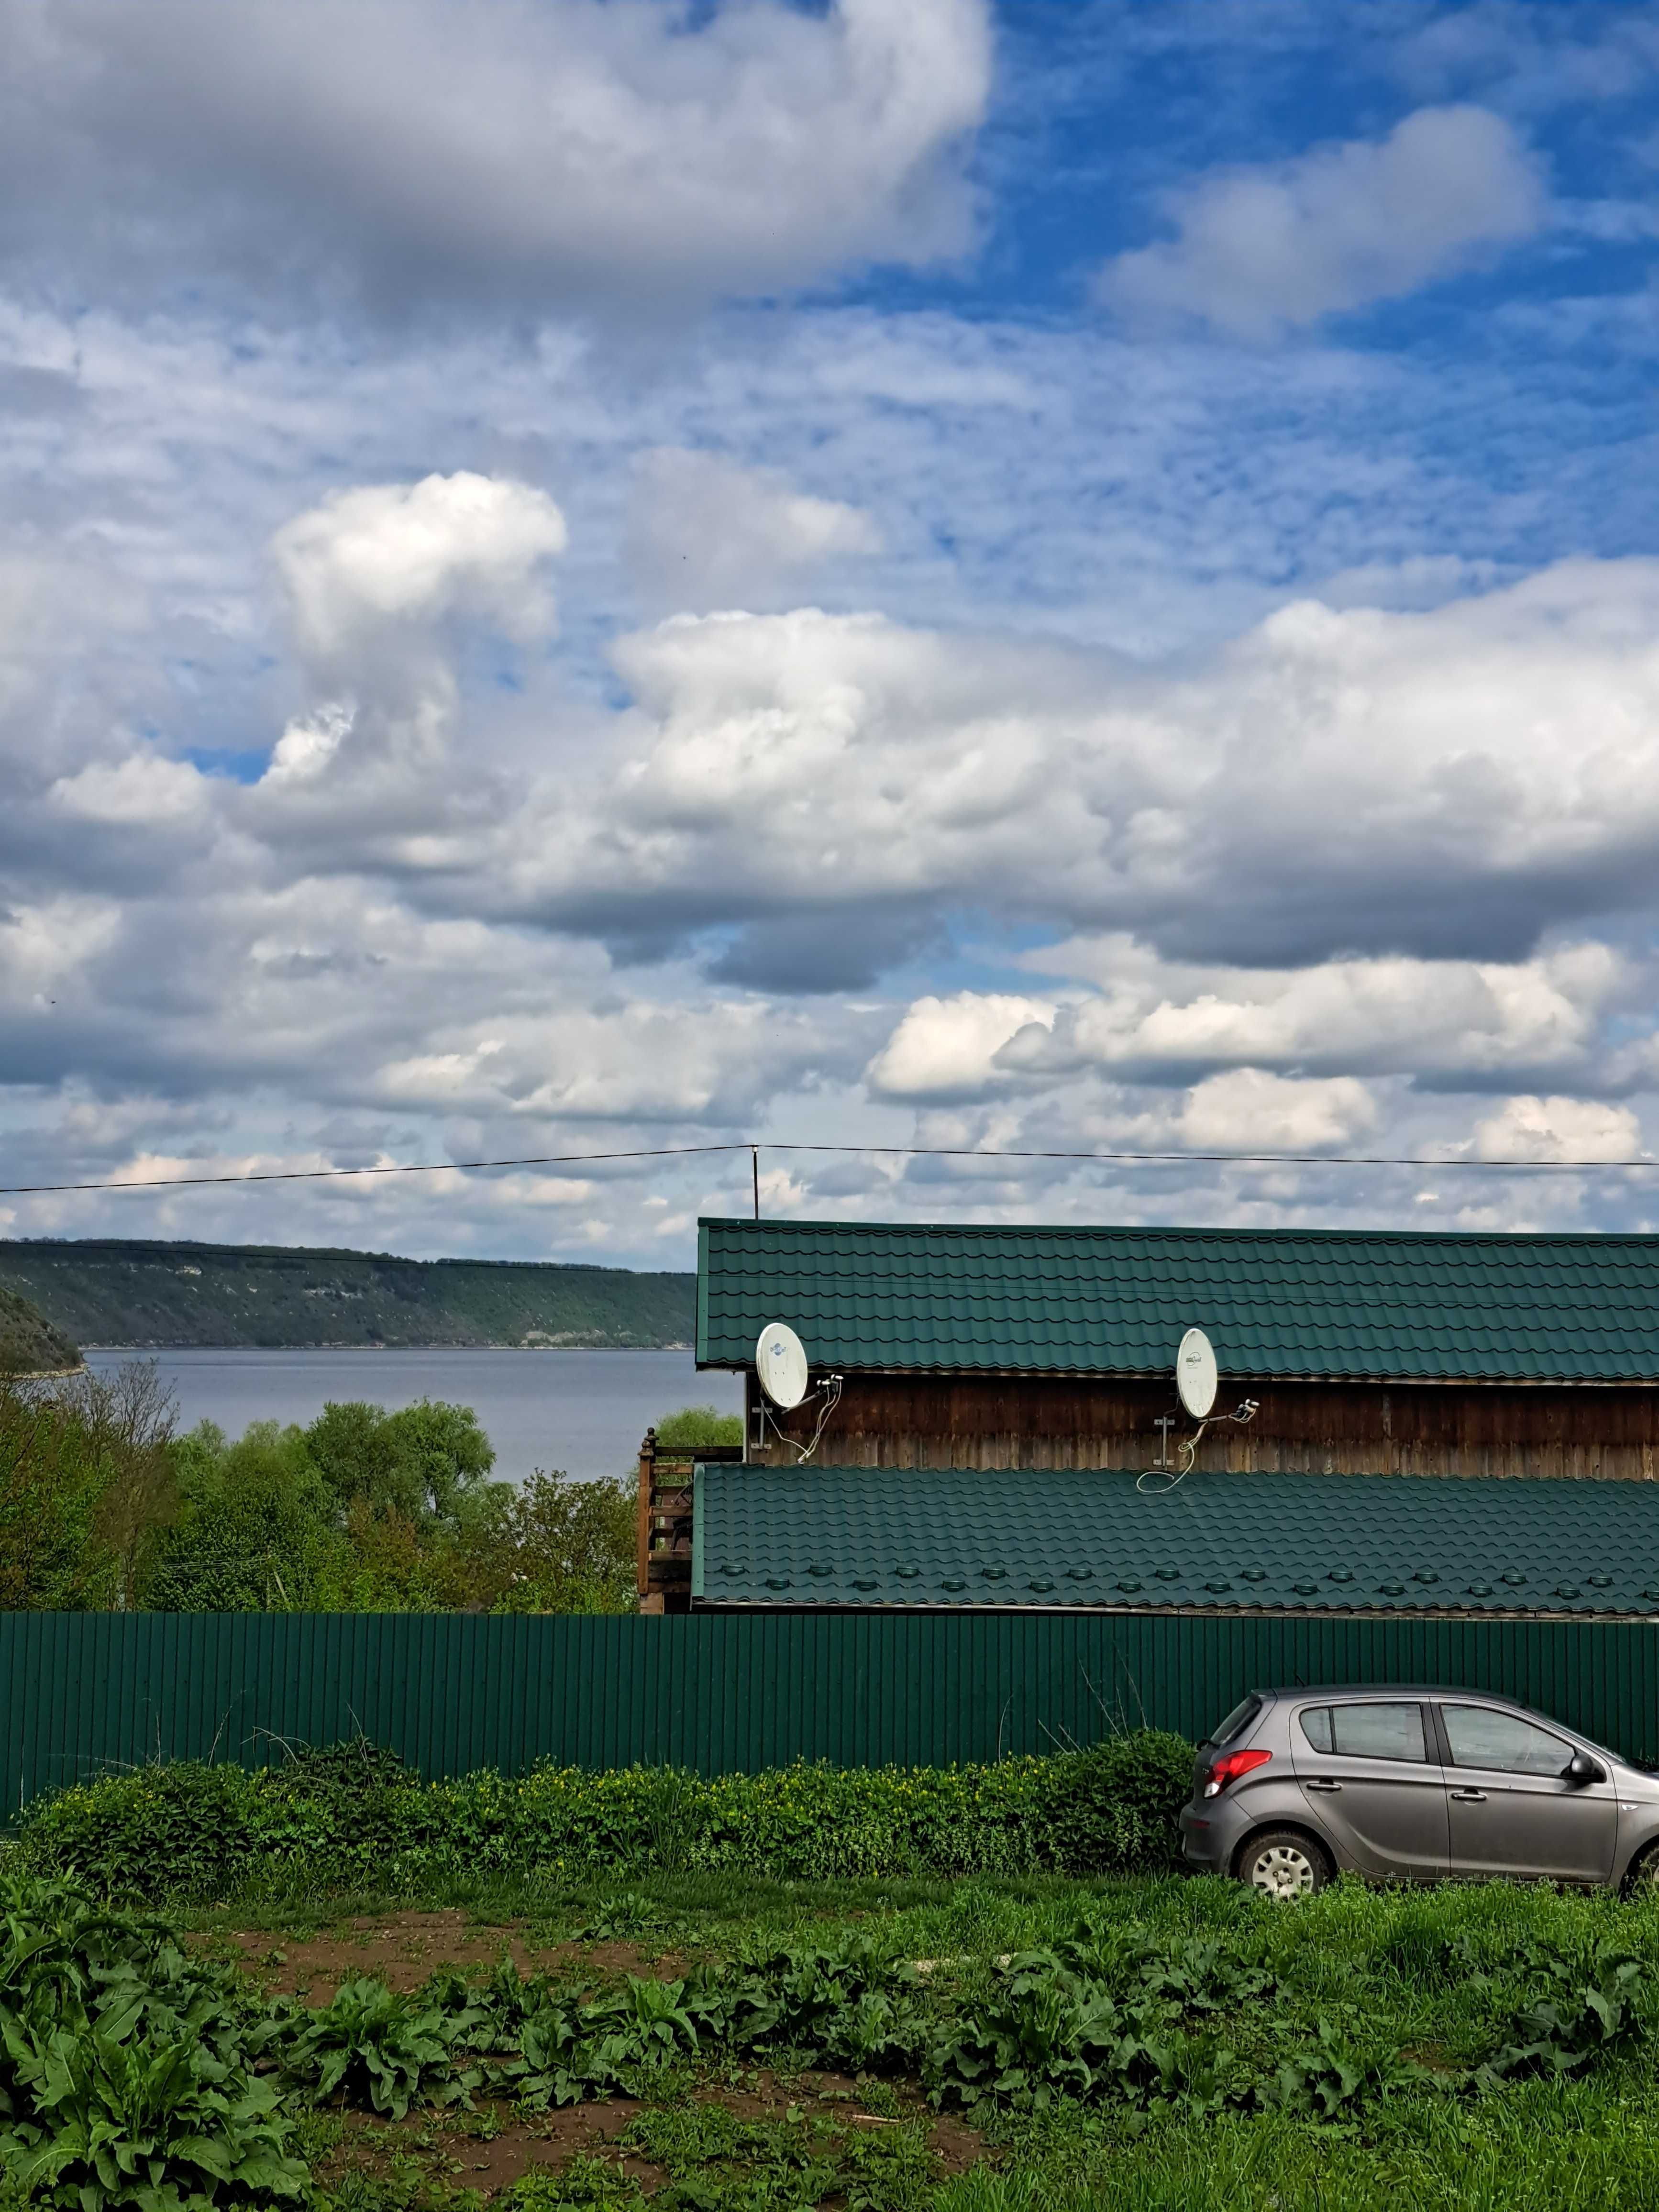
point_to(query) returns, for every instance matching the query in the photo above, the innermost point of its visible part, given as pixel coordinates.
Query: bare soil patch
(457, 2150)
(452, 2154)
(496, 2145)
(404, 1949)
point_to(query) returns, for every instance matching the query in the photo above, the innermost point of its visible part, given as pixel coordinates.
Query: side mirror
(1580, 1767)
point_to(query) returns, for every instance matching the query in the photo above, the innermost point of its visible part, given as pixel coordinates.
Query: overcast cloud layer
(579, 577)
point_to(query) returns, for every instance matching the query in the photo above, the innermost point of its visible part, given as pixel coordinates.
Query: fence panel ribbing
(82, 1694)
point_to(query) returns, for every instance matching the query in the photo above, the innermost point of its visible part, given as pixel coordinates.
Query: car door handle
(1469, 1797)
(1315, 1784)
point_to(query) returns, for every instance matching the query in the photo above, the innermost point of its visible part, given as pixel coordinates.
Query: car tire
(1284, 1864)
(1642, 1876)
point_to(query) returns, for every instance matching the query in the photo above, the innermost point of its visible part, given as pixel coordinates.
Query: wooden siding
(1306, 1428)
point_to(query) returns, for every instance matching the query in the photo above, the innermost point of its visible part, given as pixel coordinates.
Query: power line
(887, 1152)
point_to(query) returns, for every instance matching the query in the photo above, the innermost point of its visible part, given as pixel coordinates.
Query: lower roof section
(825, 1536)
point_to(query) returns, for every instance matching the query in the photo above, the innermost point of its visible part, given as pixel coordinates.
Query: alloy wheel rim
(1284, 1871)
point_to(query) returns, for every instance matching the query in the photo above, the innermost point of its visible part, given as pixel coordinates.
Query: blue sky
(578, 573)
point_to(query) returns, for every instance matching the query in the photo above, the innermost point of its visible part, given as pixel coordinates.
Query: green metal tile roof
(1301, 1543)
(1338, 1303)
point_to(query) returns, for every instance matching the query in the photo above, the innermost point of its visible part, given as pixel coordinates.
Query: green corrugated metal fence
(82, 1693)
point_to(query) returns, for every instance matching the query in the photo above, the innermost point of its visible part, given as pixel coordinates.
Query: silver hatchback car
(1414, 1785)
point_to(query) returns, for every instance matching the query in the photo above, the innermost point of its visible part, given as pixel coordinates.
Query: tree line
(105, 1506)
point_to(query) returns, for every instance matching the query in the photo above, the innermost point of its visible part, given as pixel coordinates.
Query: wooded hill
(29, 1344)
(127, 1292)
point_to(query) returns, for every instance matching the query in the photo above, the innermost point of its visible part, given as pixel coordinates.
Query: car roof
(1392, 1690)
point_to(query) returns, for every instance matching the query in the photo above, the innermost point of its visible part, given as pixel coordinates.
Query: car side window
(1479, 1736)
(1316, 1727)
(1367, 1731)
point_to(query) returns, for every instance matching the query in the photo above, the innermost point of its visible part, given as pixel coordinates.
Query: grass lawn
(1328, 2054)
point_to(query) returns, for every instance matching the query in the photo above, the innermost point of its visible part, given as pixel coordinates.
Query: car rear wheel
(1642, 1880)
(1284, 1864)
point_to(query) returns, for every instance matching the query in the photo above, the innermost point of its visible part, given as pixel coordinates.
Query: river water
(579, 1413)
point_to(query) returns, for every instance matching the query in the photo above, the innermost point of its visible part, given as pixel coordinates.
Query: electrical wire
(1246, 1414)
(393, 1168)
(885, 1151)
(831, 1388)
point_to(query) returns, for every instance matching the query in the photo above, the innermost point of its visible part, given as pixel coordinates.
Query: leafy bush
(570, 2048)
(188, 1823)
(698, 1425)
(1096, 2017)
(128, 2069)
(562, 1546)
(372, 2047)
(354, 1815)
(1576, 2017)
(1115, 1806)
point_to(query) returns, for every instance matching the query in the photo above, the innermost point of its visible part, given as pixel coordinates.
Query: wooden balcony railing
(666, 1477)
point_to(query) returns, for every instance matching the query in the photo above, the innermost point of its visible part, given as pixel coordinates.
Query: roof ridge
(1459, 1238)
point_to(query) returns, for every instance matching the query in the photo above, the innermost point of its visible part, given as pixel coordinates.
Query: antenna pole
(754, 1156)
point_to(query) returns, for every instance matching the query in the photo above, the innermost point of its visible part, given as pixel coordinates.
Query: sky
(581, 577)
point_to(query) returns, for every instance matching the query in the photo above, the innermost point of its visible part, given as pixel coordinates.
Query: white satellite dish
(1195, 1374)
(781, 1362)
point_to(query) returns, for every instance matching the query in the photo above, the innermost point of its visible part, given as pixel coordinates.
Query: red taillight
(1228, 1766)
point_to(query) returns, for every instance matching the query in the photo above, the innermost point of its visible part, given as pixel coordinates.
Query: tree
(698, 1425)
(50, 1484)
(256, 1528)
(556, 1546)
(86, 1487)
(421, 1462)
(129, 1418)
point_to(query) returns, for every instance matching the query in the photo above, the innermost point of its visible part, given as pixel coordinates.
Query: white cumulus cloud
(1529, 1128)
(1447, 785)
(1258, 250)
(706, 533)
(548, 153)
(949, 1048)
(381, 555)
(1248, 1109)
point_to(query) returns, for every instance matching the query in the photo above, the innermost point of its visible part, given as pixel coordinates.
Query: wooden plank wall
(1309, 1428)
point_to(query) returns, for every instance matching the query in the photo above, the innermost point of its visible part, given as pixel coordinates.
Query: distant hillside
(29, 1344)
(119, 1292)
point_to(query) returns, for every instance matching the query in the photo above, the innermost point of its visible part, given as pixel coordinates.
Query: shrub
(698, 1425)
(131, 2072)
(1115, 1806)
(356, 1814)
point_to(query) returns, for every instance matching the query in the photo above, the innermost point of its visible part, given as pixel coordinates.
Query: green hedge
(352, 1816)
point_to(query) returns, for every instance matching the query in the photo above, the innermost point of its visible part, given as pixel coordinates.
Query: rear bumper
(1203, 1844)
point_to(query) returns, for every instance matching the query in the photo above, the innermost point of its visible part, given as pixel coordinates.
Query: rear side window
(1480, 1737)
(1238, 1720)
(1369, 1731)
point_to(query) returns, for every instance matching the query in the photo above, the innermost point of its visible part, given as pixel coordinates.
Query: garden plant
(1006, 2038)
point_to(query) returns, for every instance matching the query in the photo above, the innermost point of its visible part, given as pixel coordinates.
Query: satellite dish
(1195, 1374)
(781, 1362)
